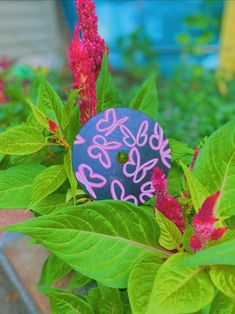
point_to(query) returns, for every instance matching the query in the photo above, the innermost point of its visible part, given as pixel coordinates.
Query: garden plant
(174, 254)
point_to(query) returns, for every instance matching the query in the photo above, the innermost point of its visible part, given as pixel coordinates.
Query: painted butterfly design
(90, 179)
(147, 191)
(118, 192)
(110, 122)
(99, 150)
(157, 142)
(133, 167)
(141, 138)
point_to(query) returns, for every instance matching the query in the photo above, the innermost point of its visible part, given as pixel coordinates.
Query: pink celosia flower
(88, 25)
(53, 127)
(196, 152)
(3, 98)
(5, 62)
(195, 243)
(159, 181)
(165, 202)
(203, 224)
(85, 57)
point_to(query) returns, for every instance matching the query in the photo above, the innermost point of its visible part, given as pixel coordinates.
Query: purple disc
(115, 153)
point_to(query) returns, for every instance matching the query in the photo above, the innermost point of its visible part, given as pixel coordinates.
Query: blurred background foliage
(194, 99)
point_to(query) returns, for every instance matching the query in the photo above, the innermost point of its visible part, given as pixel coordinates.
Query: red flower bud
(165, 202)
(53, 127)
(204, 224)
(196, 152)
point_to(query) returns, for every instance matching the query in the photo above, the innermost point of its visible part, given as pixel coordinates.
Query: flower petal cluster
(88, 26)
(165, 202)
(196, 152)
(85, 57)
(53, 127)
(5, 63)
(3, 98)
(204, 224)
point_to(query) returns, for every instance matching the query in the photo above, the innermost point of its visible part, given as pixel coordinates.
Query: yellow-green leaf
(198, 191)
(170, 235)
(62, 302)
(47, 182)
(223, 278)
(141, 282)
(21, 140)
(179, 290)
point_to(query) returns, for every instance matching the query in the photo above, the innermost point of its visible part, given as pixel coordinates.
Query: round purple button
(115, 152)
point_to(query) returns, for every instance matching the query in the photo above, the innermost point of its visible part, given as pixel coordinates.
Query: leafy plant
(134, 258)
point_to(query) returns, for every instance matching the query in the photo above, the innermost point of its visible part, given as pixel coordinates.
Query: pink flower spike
(204, 223)
(171, 209)
(85, 57)
(206, 214)
(218, 233)
(196, 152)
(165, 202)
(53, 127)
(196, 243)
(159, 181)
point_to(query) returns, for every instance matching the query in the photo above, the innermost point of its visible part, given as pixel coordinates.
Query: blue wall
(161, 19)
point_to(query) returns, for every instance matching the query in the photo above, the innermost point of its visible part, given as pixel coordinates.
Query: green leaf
(170, 236)
(186, 238)
(39, 115)
(70, 174)
(35, 158)
(47, 182)
(146, 98)
(180, 151)
(16, 185)
(74, 126)
(50, 103)
(70, 105)
(125, 301)
(179, 290)
(222, 305)
(110, 302)
(106, 300)
(1, 157)
(197, 191)
(53, 270)
(93, 298)
(223, 278)
(78, 281)
(141, 281)
(21, 140)
(51, 203)
(105, 91)
(222, 254)
(101, 240)
(174, 180)
(215, 168)
(78, 192)
(62, 302)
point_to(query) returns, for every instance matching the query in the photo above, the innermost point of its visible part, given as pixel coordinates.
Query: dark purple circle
(100, 150)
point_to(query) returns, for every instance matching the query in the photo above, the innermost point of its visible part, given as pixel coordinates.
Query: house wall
(32, 31)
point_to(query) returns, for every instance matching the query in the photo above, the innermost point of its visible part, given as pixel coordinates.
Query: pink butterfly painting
(141, 138)
(109, 123)
(118, 192)
(99, 150)
(147, 191)
(90, 179)
(134, 169)
(158, 143)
